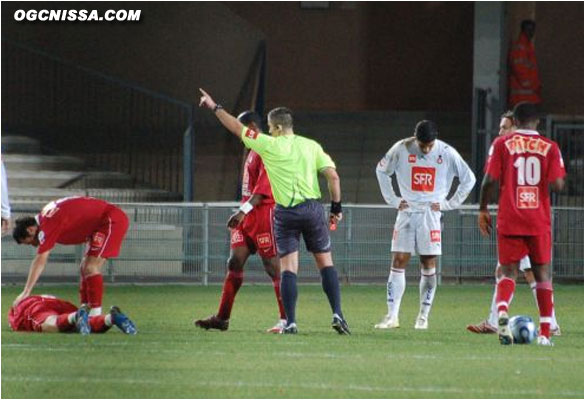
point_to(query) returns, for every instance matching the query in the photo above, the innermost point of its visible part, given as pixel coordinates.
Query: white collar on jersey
(37, 219)
(526, 132)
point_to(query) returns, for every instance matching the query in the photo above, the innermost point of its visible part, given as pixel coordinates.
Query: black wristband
(217, 107)
(336, 207)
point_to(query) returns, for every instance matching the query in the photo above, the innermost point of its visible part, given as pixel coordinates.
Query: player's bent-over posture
(525, 164)
(425, 167)
(293, 163)
(46, 313)
(489, 325)
(251, 232)
(74, 220)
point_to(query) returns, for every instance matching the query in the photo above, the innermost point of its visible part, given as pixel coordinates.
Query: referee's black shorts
(308, 219)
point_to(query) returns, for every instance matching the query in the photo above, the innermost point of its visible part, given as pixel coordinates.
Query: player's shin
(504, 292)
(427, 287)
(100, 323)
(95, 292)
(288, 290)
(276, 286)
(544, 294)
(395, 291)
(65, 322)
(232, 283)
(330, 284)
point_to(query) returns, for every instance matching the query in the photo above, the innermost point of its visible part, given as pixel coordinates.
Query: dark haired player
(251, 231)
(526, 165)
(74, 220)
(425, 167)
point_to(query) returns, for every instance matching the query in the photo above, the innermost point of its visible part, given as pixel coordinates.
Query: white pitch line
(302, 386)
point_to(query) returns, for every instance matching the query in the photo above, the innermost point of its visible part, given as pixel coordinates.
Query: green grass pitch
(171, 358)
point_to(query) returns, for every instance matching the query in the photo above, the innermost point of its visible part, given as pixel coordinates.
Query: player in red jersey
(74, 220)
(47, 313)
(251, 232)
(525, 164)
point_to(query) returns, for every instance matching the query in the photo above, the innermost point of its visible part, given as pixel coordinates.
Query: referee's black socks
(330, 285)
(288, 292)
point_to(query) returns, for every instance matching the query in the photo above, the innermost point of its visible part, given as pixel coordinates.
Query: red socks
(83, 291)
(544, 295)
(98, 324)
(276, 285)
(63, 323)
(231, 285)
(504, 292)
(94, 291)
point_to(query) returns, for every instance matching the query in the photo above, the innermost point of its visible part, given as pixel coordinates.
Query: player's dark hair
(525, 113)
(20, 228)
(508, 114)
(248, 117)
(527, 23)
(426, 131)
(281, 116)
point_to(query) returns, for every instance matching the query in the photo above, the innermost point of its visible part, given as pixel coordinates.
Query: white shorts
(524, 264)
(417, 233)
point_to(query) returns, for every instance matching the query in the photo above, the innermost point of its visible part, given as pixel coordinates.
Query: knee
(234, 264)
(400, 260)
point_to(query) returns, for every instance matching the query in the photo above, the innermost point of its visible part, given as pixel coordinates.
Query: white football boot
(421, 322)
(278, 328)
(504, 333)
(544, 341)
(388, 323)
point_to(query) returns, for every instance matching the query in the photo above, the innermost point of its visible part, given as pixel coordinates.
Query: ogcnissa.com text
(77, 15)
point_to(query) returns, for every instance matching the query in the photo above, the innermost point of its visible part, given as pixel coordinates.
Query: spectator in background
(523, 81)
(5, 201)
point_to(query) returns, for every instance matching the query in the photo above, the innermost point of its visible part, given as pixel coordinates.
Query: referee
(292, 163)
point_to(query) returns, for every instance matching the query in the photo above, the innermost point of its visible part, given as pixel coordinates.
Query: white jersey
(424, 178)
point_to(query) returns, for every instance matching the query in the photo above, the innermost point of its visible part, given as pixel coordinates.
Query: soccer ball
(523, 329)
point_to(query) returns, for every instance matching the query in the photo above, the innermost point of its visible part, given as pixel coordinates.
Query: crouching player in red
(525, 164)
(46, 313)
(74, 220)
(251, 232)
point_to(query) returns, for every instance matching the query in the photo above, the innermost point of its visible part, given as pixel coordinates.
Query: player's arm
(384, 170)
(244, 210)
(334, 186)
(466, 182)
(556, 173)
(484, 218)
(36, 269)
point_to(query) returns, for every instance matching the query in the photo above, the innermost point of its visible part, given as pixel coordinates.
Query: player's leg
(526, 268)
(67, 322)
(91, 273)
(315, 230)
(272, 268)
(427, 289)
(231, 285)
(402, 248)
(395, 290)
(103, 323)
(540, 257)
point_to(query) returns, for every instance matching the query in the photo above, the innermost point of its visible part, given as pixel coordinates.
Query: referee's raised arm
(229, 121)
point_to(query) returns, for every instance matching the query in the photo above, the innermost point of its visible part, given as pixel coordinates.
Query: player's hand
(403, 205)
(206, 100)
(436, 206)
(334, 220)
(5, 226)
(20, 298)
(484, 220)
(236, 219)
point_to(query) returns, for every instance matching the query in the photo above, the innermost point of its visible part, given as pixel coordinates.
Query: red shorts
(511, 249)
(256, 232)
(106, 241)
(33, 311)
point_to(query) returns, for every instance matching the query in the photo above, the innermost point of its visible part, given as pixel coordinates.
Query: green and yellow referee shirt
(292, 163)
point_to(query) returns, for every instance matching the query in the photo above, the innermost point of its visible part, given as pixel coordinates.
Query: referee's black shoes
(340, 325)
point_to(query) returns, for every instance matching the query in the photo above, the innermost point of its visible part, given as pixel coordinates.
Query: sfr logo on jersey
(423, 179)
(97, 240)
(412, 158)
(264, 240)
(236, 237)
(435, 236)
(527, 197)
(251, 134)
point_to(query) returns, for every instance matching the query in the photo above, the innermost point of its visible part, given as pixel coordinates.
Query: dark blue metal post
(188, 150)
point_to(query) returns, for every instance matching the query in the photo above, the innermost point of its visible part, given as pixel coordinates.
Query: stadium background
(108, 110)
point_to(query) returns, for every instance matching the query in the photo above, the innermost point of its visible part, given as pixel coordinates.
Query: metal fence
(190, 243)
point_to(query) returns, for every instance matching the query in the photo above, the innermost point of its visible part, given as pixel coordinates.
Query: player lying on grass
(425, 168)
(251, 232)
(46, 313)
(490, 324)
(293, 164)
(74, 220)
(526, 165)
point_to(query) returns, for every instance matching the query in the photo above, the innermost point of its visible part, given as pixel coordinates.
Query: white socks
(94, 312)
(427, 287)
(396, 285)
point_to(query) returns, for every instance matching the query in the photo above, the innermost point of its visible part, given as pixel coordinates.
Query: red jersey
(71, 220)
(255, 179)
(32, 311)
(525, 163)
